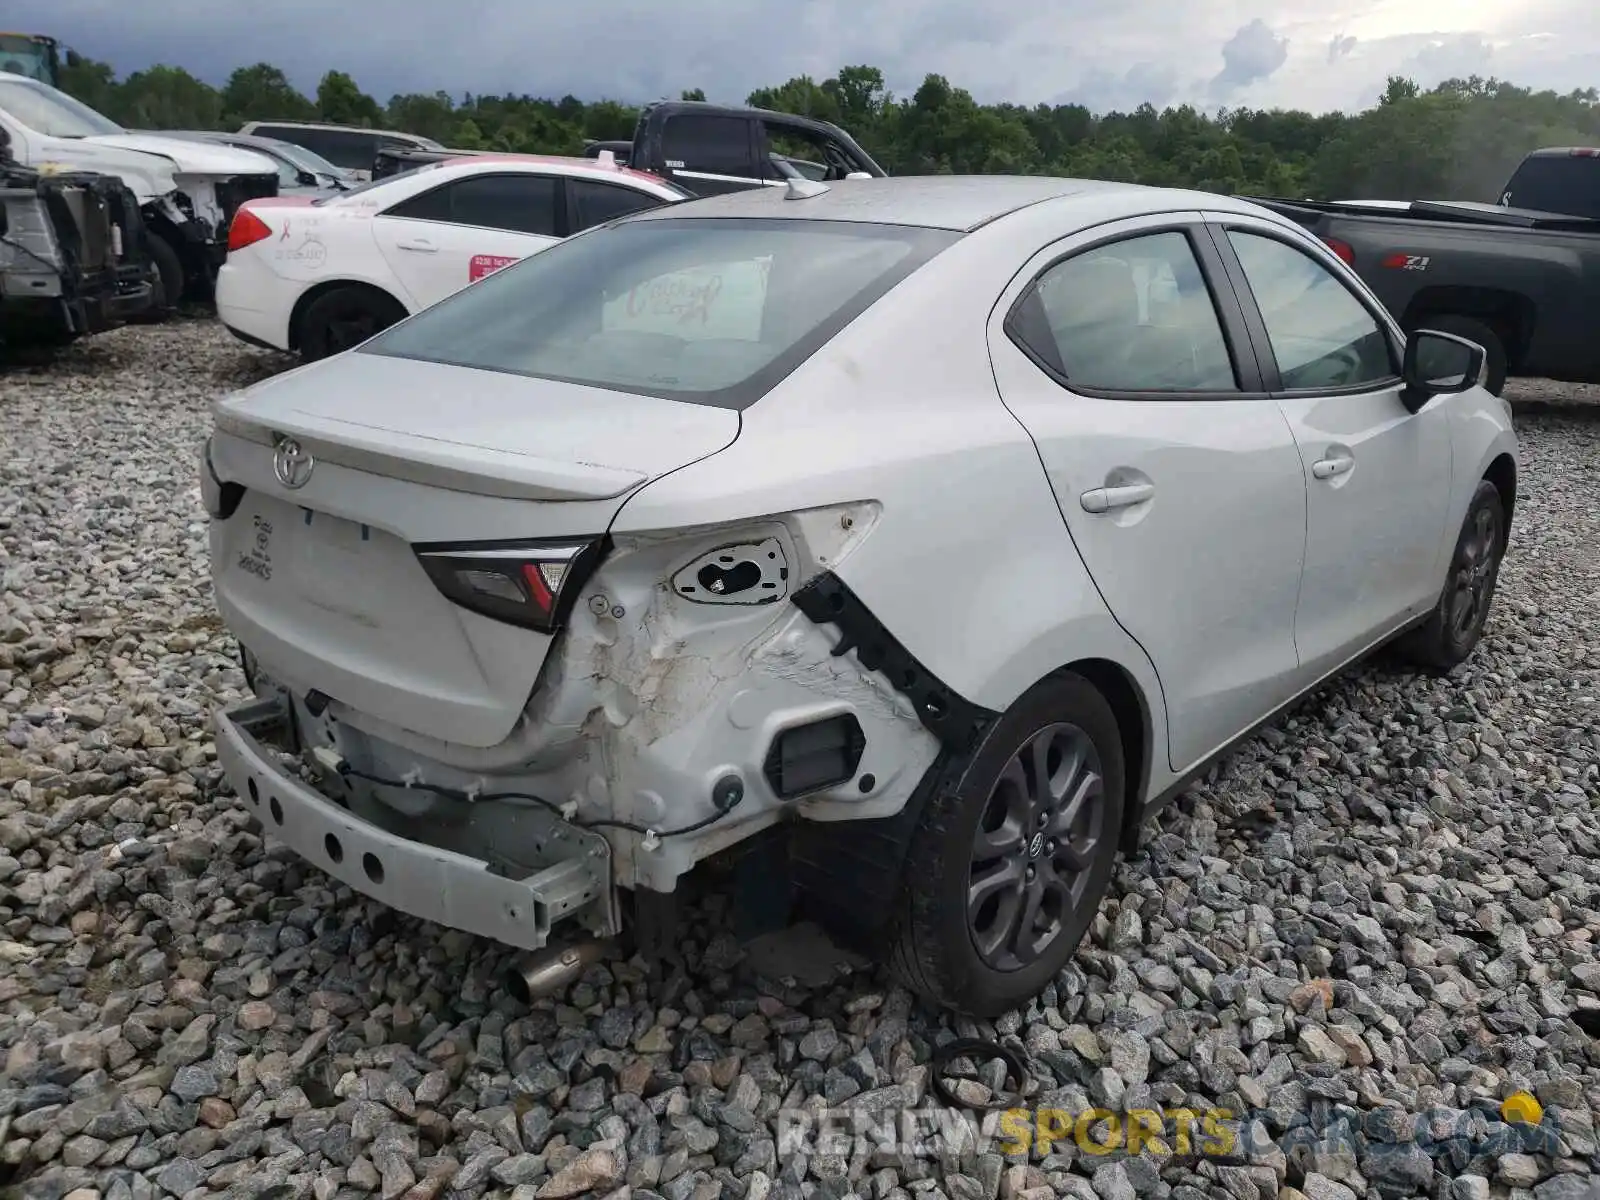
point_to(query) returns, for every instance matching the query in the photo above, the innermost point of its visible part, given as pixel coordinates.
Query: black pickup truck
(707, 148)
(1521, 277)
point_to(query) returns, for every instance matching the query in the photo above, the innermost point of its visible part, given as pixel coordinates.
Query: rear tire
(343, 318)
(1455, 626)
(1474, 330)
(992, 848)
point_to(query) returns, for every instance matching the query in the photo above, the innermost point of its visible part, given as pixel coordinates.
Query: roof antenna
(804, 189)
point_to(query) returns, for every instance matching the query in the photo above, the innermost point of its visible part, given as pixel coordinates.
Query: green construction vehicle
(33, 55)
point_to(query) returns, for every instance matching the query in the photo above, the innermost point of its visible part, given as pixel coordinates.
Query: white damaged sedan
(940, 528)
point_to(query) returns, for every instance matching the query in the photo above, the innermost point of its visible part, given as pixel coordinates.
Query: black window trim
(569, 201)
(1230, 317)
(752, 138)
(766, 124)
(1256, 325)
(563, 207)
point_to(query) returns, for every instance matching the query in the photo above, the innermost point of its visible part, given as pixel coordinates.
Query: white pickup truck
(187, 191)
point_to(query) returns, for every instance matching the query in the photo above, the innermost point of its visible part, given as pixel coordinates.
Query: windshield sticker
(725, 300)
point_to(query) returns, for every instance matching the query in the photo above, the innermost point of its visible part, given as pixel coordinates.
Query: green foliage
(1459, 140)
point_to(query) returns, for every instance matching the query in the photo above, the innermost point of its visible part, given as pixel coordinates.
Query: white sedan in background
(317, 276)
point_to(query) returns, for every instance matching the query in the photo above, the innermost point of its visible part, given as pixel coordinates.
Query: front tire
(1455, 626)
(1013, 853)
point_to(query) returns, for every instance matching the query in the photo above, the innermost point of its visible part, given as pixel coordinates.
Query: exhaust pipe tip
(551, 969)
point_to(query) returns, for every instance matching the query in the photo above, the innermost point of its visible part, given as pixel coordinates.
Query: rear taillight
(532, 584)
(246, 229)
(1342, 249)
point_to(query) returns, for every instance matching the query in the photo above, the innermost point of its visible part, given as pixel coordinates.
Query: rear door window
(710, 145)
(1129, 316)
(596, 203)
(514, 203)
(1568, 184)
(345, 148)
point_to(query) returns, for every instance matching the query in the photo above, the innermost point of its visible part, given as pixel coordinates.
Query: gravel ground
(1369, 928)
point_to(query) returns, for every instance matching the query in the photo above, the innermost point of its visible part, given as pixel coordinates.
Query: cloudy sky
(1316, 54)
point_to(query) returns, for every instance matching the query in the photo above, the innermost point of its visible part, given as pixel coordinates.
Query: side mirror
(307, 179)
(1439, 364)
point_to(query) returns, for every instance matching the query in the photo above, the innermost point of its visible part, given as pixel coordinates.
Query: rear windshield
(1568, 184)
(349, 148)
(711, 311)
(360, 189)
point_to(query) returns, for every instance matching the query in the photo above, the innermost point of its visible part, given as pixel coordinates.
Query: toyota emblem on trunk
(292, 463)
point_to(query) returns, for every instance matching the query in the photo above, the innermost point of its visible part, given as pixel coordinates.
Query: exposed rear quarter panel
(970, 567)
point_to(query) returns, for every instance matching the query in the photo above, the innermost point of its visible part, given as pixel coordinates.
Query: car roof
(217, 135)
(956, 202)
(557, 164)
(249, 126)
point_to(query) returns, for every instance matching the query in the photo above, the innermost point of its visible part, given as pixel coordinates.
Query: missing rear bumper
(357, 840)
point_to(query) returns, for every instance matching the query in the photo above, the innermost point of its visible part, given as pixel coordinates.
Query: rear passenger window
(426, 206)
(596, 203)
(1129, 316)
(516, 203)
(711, 145)
(342, 147)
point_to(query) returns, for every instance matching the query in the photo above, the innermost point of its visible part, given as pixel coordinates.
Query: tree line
(1458, 140)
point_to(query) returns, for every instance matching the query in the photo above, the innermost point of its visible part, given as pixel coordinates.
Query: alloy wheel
(1474, 574)
(1038, 836)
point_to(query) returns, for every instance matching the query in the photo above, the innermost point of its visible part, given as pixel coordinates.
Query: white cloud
(1251, 55)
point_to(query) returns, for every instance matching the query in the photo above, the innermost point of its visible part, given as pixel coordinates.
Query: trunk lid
(321, 581)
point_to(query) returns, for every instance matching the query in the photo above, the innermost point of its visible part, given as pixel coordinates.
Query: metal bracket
(953, 719)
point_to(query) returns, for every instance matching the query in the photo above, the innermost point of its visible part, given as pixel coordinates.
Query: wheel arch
(314, 293)
(1502, 472)
(1135, 727)
(1509, 313)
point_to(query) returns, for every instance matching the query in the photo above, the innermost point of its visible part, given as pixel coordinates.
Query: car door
(709, 154)
(1122, 352)
(1377, 476)
(439, 241)
(791, 148)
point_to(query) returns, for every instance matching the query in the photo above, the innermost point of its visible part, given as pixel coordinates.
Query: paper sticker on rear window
(719, 300)
(487, 264)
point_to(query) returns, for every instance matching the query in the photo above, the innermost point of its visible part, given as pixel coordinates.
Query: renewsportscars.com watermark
(1517, 1125)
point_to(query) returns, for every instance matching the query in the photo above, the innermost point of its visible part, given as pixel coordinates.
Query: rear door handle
(1327, 468)
(420, 244)
(1105, 499)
